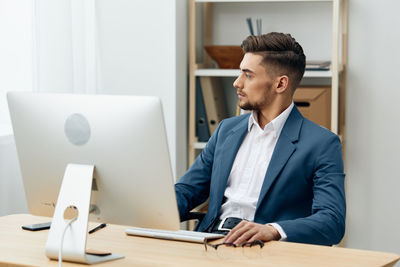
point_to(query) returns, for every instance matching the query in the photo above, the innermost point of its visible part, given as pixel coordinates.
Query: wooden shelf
(217, 72)
(199, 145)
(236, 72)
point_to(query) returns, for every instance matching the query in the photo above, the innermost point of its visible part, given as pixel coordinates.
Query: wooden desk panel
(23, 248)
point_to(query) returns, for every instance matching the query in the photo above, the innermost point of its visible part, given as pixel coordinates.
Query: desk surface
(24, 248)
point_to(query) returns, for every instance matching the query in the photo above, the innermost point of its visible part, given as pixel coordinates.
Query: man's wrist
(281, 232)
(275, 234)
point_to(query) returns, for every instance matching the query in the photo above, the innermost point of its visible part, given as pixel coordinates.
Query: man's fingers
(255, 237)
(246, 236)
(249, 231)
(234, 232)
(241, 233)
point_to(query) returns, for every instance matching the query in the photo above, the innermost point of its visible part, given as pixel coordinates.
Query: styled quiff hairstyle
(282, 55)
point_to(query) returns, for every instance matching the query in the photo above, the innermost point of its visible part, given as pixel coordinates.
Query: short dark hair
(281, 52)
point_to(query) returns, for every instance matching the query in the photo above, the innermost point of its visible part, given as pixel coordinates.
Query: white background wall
(12, 194)
(143, 52)
(15, 52)
(373, 126)
(15, 74)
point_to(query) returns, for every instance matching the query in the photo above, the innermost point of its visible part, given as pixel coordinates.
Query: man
(270, 174)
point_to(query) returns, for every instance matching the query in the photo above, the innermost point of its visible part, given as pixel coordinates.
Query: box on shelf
(314, 103)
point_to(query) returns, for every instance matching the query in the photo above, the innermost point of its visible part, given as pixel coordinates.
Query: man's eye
(247, 75)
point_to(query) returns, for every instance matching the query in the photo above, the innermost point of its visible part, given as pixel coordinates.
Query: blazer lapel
(230, 148)
(283, 150)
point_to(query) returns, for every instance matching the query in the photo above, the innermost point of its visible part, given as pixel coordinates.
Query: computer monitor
(124, 137)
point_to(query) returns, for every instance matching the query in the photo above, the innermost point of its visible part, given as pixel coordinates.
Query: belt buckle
(220, 228)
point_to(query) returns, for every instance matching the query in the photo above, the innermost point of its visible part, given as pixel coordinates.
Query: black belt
(225, 226)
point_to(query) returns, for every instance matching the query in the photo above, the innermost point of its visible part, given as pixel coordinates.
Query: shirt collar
(276, 124)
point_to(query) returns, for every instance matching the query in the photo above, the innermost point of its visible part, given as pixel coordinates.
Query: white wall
(15, 52)
(15, 74)
(143, 52)
(373, 128)
(12, 194)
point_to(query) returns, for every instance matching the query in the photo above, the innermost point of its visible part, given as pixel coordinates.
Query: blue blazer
(303, 188)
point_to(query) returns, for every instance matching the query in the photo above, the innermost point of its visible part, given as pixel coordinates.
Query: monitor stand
(75, 191)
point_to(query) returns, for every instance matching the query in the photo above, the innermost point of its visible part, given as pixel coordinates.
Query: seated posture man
(270, 174)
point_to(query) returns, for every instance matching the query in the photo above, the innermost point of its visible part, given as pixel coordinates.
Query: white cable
(62, 241)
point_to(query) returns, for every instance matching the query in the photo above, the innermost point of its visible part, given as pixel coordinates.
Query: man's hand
(247, 231)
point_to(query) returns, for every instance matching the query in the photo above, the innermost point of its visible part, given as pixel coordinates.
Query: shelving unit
(336, 74)
(235, 73)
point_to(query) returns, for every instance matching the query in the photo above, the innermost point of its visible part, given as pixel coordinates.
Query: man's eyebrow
(247, 70)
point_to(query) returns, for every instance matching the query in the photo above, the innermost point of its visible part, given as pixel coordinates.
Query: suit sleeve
(326, 224)
(194, 186)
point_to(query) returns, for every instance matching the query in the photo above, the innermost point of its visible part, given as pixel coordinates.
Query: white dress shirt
(249, 168)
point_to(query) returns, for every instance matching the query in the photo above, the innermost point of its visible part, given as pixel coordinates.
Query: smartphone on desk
(37, 226)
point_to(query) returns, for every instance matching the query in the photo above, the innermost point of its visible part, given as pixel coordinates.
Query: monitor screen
(124, 137)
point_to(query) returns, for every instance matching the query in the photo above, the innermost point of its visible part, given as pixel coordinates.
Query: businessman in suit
(270, 174)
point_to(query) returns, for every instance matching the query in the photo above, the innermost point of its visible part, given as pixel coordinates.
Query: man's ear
(282, 84)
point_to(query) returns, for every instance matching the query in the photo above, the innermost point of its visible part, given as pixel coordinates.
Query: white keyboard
(182, 235)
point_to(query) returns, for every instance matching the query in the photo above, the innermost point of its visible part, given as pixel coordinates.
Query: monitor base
(71, 236)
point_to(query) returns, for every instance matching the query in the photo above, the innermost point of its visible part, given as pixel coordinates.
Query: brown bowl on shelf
(226, 56)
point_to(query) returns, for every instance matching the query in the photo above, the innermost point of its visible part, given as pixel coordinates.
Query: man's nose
(237, 83)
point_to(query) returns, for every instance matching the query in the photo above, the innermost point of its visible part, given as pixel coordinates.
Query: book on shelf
(214, 101)
(318, 65)
(202, 131)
